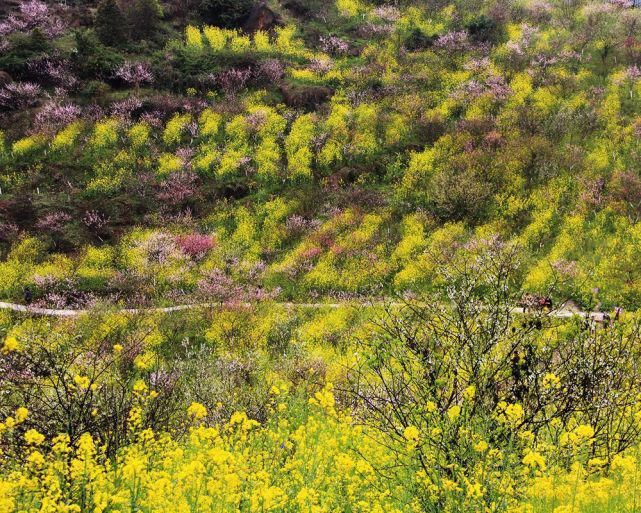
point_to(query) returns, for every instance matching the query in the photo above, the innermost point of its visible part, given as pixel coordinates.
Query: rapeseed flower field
(320, 256)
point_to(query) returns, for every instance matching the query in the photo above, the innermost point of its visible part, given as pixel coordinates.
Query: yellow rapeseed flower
(140, 387)
(197, 411)
(454, 412)
(625, 464)
(534, 459)
(10, 344)
(580, 435)
(33, 437)
(511, 414)
(36, 458)
(469, 393)
(411, 434)
(325, 398)
(551, 381)
(480, 446)
(81, 382)
(21, 414)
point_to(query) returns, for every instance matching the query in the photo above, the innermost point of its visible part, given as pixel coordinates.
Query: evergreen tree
(144, 17)
(92, 59)
(110, 23)
(225, 13)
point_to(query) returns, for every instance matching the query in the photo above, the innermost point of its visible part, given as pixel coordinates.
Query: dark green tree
(144, 18)
(110, 23)
(92, 59)
(23, 49)
(225, 13)
(482, 28)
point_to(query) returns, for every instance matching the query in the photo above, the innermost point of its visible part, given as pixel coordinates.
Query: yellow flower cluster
(412, 434)
(197, 411)
(306, 463)
(313, 459)
(511, 414)
(10, 344)
(580, 490)
(12, 421)
(325, 398)
(582, 434)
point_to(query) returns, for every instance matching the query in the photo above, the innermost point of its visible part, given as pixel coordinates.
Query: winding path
(169, 309)
(561, 313)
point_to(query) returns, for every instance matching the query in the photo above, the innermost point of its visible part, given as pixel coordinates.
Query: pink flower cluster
(387, 13)
(321, 66)
(135, 73)
(54, 115)
(233, 80)
(455, 41)
(195, 245)
(218, 286)
(19, 95)
(333, 45)
(623, 4)
(54, 71)
(177, 188)
(95, 220)
(270, 70)
(494, 86)
(31, 15)
(298, 225)
(53, 221)
(125, 108)
(633, 72)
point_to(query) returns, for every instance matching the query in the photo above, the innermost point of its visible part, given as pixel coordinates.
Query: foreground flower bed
(307, 458)
(300, 461)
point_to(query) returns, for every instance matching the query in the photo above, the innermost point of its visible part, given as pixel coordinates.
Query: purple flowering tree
(135, 73)
(53, 71)
(53, 222)
(455, 41)
(177, 188)
(19, 95)
(270, 71)
(195, 245)
(31, 15)
(54, 115)
(233, 80)
(217, 286)
(125, 108)
(95, 221)
(333, 45)
(622, 4)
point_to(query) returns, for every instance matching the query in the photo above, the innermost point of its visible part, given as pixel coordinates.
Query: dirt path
(73, 313)
(561, 313)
